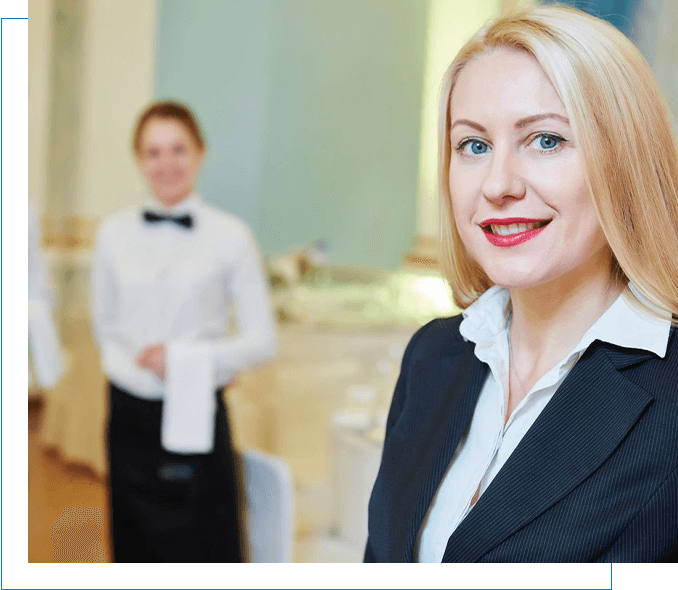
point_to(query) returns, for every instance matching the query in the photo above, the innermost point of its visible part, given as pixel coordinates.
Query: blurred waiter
(165, 278)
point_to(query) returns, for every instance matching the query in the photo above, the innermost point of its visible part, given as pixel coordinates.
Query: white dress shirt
(164, 283)
(490, 440)
(45, 353)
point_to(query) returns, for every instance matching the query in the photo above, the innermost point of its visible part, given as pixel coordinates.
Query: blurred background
(320, 121)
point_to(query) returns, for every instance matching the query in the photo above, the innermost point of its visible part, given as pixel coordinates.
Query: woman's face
(169, 158)
(519, 194)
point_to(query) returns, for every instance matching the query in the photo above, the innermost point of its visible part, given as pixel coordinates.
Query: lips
(512, 231)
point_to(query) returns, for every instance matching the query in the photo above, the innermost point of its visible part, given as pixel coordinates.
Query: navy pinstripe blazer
(594, 479)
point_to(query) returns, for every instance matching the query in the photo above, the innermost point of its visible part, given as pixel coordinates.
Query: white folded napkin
(43, 343)
(189, 407)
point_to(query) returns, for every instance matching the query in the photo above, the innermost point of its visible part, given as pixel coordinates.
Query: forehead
(504, 84)
(159, 129)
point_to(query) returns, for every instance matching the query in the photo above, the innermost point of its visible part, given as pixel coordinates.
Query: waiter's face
(170, 159)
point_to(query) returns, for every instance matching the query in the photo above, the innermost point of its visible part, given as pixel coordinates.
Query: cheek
(183, 162)
(595, 238)
(465, 231)
(464, 187)
(462, 212)
(458, 219)
(586, 221)
(148, 170)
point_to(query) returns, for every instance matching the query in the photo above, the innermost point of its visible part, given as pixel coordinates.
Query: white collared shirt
(163, 283)
(489, 442)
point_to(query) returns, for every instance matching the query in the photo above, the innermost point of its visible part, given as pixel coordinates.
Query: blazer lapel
(588, 416)
(460, 379)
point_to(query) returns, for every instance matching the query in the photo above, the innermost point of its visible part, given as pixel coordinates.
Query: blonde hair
(624, 132)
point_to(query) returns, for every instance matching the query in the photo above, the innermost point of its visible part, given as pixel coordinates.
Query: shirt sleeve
(43, 339)
(39, 287)
(102, 292)
(255, 340)
(117, 356)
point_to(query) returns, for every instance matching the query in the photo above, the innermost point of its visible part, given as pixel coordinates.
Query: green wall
(312, 114)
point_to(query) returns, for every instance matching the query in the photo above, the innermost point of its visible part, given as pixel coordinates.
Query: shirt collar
(189, 205)
(487, 316)
(623, 324)
(627, 325)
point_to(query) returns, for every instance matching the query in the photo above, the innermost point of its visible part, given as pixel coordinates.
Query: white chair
(269, 507)
(355, 463)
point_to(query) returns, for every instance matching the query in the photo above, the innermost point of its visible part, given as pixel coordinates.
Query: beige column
(118, 82)
(39, 61)
(64, 113)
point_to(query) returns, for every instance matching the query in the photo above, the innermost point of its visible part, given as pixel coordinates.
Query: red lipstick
(515, 239)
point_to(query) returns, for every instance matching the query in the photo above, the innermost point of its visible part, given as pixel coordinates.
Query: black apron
(169, 507)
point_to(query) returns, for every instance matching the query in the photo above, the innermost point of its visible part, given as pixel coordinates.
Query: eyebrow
(520, 123)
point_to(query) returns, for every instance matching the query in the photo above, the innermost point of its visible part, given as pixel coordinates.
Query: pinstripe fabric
(594, 479)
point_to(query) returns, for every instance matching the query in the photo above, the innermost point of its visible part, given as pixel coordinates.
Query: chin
(171, 198)
(516, 280)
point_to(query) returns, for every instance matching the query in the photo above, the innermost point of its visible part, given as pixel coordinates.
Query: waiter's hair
(624, 132)
(168, 109)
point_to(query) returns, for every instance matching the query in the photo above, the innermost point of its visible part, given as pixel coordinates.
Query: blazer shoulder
(667, 372)
(652, 372)
(438, 338)
(672, 348)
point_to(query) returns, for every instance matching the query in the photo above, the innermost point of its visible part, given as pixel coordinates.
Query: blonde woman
(541, 424)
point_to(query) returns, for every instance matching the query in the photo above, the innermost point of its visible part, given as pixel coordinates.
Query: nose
(503, 179)
(166, 158)
(165, 163)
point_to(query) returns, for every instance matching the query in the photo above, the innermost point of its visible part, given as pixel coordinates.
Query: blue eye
(476, 146)
(548, 141)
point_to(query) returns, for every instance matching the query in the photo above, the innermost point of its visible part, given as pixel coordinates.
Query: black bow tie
(183, 220)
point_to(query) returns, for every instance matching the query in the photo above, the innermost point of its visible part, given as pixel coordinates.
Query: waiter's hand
(153, 358)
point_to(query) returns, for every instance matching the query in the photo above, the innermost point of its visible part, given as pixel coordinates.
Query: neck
(170, 204)
(549, 320)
